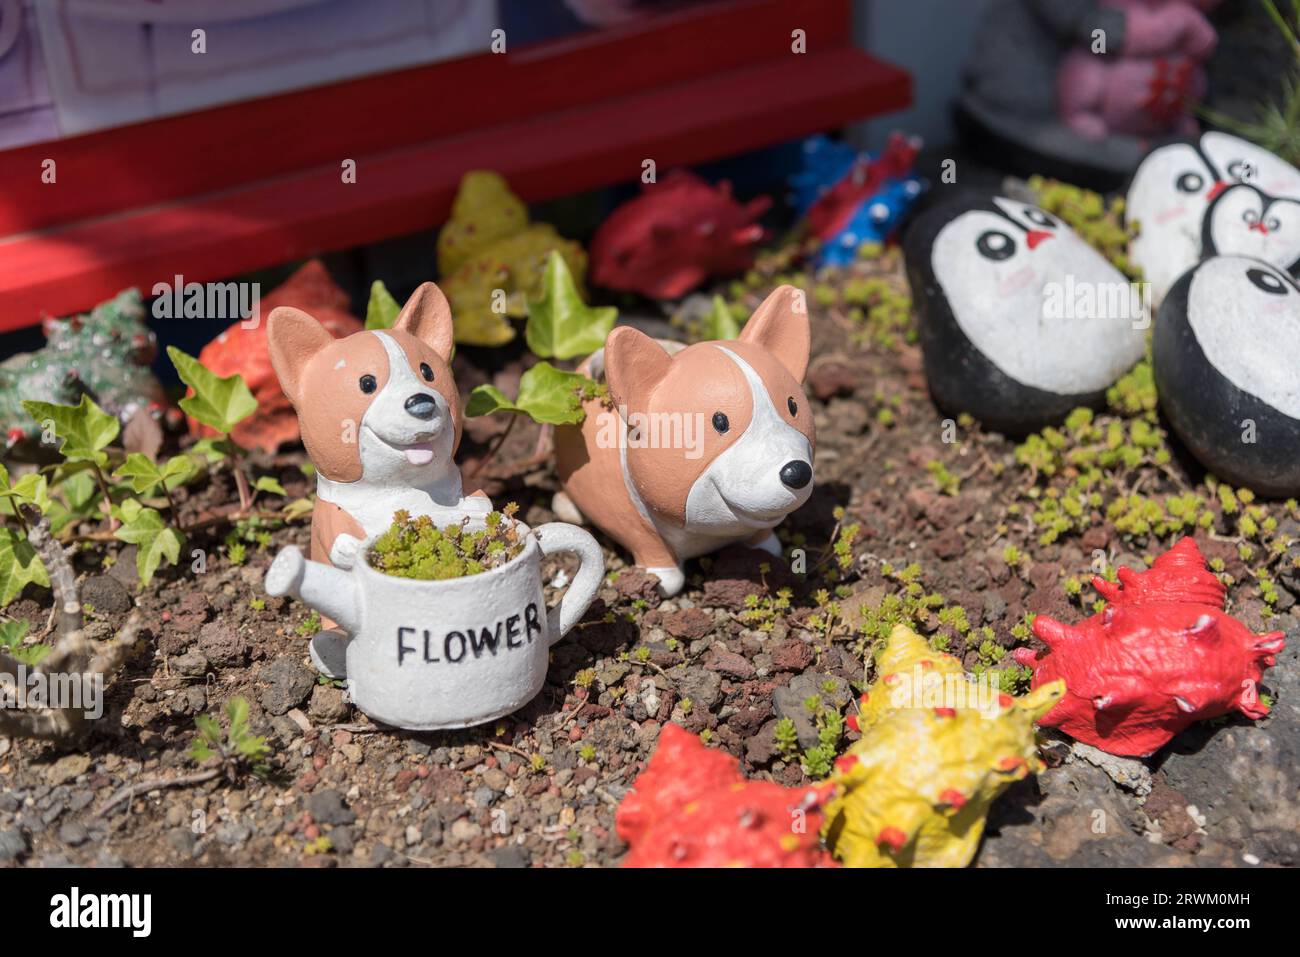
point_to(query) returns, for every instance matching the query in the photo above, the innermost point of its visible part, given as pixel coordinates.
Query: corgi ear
(780, 325)
(427, 316)
(294, 337)
(634, 364)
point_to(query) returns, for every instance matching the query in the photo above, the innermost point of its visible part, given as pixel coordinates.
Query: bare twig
(72, 656)
(128, 791)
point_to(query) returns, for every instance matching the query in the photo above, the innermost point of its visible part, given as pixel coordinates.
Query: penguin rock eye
(1190, 183)
(1265, 281)
(1273, 224)
(367, 383)
(720, 422)
(1241, 170)
(426, 373)
(792, 405)
(1039, 218)
(1251, 217)
(996, 245)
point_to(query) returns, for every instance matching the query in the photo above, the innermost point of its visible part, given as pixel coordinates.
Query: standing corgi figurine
(381, 419)
(709, 445)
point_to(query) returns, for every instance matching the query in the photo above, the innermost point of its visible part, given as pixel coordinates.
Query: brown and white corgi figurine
(710, 444)
(381, 420)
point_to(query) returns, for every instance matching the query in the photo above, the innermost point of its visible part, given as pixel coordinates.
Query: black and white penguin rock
(1218, 196)
(1226, 356)
(1020, 319)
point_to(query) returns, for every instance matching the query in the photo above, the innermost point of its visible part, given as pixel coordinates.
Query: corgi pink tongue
(421, 454)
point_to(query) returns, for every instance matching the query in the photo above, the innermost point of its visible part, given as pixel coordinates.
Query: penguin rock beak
(1036, 236)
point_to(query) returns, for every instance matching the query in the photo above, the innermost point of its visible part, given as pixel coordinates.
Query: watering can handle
(562, 537)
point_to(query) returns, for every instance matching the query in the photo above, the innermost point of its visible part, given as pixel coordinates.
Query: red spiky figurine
(691, 807)
(1162, 655)
(676, 234)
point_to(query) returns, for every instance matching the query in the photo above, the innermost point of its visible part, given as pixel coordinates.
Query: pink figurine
(1144, 88)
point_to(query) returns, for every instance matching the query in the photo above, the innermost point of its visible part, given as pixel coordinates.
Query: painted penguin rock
(1226, 354)
(1219, 195)
(1020, 319)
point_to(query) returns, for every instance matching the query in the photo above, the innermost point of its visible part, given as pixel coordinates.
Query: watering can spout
(323, 587)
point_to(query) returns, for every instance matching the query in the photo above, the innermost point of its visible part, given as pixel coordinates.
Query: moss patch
(417, 548)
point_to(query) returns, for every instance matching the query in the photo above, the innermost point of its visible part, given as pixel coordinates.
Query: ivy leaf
(382, 310)
(19, 565)
(80, 492)
(31, 489)
(268, 484)
(546, 395)
(12, 633)
(140, 471)
(298, 508)
(80, 499)
(145, 474)
(219, 403)
(85, 428)
(179, 470)
(154, 540)
(560, 324)
(11, 641)
(719, 323)
(212, 449)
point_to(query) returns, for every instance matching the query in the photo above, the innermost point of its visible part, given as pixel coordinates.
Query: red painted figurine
(1160, 657)
(674, 236)
(242, 348)
(691, 807)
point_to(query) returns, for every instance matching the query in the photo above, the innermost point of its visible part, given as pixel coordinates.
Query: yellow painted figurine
(489, 247)
(937, 749)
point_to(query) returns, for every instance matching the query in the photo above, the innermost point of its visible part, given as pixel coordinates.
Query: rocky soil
(730, 657)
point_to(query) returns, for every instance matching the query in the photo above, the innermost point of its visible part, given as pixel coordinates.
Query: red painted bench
(215, 193)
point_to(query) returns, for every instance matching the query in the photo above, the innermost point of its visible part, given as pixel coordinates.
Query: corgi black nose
(422, 406)
(796, 474)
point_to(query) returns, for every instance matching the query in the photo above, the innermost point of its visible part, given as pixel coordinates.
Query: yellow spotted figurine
(937, 749)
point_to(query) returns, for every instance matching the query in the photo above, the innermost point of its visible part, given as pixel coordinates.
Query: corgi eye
(367, 383)
(794, 406)
(720, 422)
(426, 372)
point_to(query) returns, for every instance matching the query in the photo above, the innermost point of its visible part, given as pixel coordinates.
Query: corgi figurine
(381, 419)
(706, 445)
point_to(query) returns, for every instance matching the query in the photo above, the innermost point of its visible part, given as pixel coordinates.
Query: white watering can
(452, 653)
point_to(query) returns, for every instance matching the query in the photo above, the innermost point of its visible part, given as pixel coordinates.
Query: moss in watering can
(417, 548)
